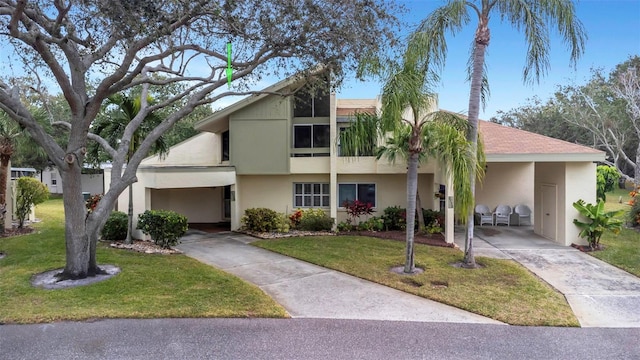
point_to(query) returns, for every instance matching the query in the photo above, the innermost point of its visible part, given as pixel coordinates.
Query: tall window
(312, 102)
(311, 195)
(225, 146)
(365, 193)
(311, 136)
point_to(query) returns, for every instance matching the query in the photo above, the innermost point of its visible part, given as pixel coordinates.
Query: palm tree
(428, 43)
(111, 127)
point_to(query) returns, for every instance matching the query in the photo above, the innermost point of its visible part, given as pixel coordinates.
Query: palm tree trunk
(129, 239)
(481, 43)
(419, 214)
(412, 187)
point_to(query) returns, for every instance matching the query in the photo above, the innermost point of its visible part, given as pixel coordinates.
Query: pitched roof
(499, 139)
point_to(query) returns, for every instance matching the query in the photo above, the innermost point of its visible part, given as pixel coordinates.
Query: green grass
(622, 250)
(149, 286)
(502, 289)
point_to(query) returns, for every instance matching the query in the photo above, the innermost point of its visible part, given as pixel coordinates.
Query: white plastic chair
(523, 212)
(503, 215)
(485, 215)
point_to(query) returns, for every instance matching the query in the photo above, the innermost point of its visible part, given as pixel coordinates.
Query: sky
(612, 27)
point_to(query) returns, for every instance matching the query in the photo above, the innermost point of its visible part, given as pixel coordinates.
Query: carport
(546, 174)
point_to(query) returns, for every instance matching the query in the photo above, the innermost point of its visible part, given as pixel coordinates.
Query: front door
(549, 203)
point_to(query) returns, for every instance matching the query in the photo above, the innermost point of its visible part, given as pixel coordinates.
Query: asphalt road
(310, 339)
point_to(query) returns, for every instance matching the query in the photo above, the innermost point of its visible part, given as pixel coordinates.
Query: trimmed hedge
(116, 226)
(164, 226)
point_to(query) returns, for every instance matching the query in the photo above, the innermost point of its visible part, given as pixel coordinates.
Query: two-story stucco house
(281, 153)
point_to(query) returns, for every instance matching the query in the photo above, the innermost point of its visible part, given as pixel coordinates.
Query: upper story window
(312, 102)
(311, 136)
(225, 146)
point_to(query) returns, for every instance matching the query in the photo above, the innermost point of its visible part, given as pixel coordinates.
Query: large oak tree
(119, 45)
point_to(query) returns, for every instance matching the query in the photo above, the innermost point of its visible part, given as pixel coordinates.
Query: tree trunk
(129, 239)
(412, 187)
(481, 43)
(419, 213)
(78, 249)
(4, 171)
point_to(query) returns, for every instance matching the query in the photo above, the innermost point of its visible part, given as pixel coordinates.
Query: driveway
(310, 291)
(600, 294)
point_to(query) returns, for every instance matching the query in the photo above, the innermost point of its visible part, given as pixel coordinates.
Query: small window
(311, 195)
(225, 146)
(365, 193)
(311, 136)
(54, 180)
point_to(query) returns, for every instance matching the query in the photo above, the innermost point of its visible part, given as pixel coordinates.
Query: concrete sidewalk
(310, 291)
(600, 294)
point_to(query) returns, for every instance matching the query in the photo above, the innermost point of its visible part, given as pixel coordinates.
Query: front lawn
(149, 286)
(622, 250)
(502, 289)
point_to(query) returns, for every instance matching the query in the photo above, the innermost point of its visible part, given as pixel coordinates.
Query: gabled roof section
(219, 119)
(503, 142)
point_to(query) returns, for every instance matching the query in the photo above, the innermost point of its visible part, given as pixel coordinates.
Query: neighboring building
(20, 172)
(281, 153)
(92, 180)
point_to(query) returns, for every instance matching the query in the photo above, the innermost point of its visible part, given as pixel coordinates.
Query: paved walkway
(310, 291)
(600, 294)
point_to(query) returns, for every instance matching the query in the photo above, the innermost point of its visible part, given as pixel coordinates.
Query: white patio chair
(502, 215)
(523, 212)
(484, 214)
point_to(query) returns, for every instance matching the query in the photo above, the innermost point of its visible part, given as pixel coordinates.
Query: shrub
(394, 218)
(260, 219)
(607, 177)
(295, 218)
(165, 227)
(357, 208)
(283, 223)
(373, 224)
(116, 226)
(433, 218)
(315, 220)
(30, 192)
(344, 226)
(634, 213)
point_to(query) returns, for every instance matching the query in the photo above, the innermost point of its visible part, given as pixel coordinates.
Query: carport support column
(449, 210)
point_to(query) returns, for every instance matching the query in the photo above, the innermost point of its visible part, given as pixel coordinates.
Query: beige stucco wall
(200, 150)
(581, 184)
(186, 177)
(509, 184)
(199, 205)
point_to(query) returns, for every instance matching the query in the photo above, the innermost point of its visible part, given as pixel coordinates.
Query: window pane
(316, 188)
(307, 201)
(321, 103)
(307, 188)
(367, 193)
(320, 135)
(302, 136)
(325, 189)
(316, 201)
(346, 192)
(303, 104)
(325, 200)
(297, 200)
(298, 189)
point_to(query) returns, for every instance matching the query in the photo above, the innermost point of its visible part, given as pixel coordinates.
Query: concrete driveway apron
(600, 294)
(310, 291)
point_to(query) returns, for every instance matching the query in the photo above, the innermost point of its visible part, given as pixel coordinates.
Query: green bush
(372, 224)
(607, 177)
(315, 220)
(283, 224)
(260, 219)
(165, 227)
(433, 218)
(30, 192)
(394, 218)
(116, 226)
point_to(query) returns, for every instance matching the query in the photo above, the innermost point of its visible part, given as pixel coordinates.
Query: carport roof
(501, 141)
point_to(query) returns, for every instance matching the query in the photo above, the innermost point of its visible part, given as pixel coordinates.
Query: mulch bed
(15, 231)
(587, 248)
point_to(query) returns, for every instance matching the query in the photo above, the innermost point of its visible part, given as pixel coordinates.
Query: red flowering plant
(295, 218)
(93, 201)
(357, 208)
